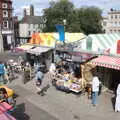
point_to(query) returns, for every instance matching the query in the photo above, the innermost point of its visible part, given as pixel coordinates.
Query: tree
(85, 19)
(56, 13)
(90, 19)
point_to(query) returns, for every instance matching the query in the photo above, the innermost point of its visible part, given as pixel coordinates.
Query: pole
(13, 36)
(64, 22)
(1, 40)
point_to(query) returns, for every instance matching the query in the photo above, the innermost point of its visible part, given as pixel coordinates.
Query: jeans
(94, 97)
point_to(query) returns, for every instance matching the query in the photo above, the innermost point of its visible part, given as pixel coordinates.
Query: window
(89, 43)
(4, 5)
(115, 24)
(31, 26)
(29, 33)
(104, 23)
(5, 13)
(111, 16)
(36, 26)
(115, 16)
(28, 26)
(5, 24)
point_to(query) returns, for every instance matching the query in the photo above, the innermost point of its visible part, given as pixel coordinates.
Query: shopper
(95, 90)
(52, 68)
(39, 77)
(117, 103)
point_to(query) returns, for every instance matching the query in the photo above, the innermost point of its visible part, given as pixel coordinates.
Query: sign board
(118, 47)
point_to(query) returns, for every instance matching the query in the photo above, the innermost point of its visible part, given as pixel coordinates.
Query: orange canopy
(43, 39)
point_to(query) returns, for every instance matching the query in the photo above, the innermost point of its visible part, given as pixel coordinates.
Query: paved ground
(61, 105)
(57, 105)
(26, 110)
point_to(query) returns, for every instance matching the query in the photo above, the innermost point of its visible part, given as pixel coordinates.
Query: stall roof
(107, 61)
(24, 47)
(6, 116)
(39, 50)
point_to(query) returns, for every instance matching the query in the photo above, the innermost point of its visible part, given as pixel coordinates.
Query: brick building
(6, 23)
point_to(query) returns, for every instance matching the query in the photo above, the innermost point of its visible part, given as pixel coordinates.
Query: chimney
(31, 10)
(24, 12)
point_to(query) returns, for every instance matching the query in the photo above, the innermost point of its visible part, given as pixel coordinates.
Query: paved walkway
(69, 106)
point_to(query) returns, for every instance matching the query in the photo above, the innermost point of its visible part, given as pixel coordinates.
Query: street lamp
(64, 23)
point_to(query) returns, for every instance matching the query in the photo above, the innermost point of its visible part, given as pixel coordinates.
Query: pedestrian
(117, 103)
(36, 66)
(95, 89)
(39, 77)
(6, 74)
(52, 68)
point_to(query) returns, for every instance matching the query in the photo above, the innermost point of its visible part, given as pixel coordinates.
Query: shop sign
(77, 58)
(118, 47)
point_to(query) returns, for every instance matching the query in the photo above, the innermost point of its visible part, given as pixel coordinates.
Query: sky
(39, 5)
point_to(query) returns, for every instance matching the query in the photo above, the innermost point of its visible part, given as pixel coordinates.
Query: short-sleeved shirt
(95, 84)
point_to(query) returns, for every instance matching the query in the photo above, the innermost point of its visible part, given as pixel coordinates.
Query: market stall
(67, 84)
(67, 80)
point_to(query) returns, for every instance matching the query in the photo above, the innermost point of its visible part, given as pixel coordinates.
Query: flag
(60, 29)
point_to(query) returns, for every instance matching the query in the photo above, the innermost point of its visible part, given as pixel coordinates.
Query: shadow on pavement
(19, 112)
(44, 89)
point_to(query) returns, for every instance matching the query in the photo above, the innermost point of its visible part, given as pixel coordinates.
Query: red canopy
(107, 61)
(6, 116)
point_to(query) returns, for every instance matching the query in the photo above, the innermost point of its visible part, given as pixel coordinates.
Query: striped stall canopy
(105, 40)
(107, 61)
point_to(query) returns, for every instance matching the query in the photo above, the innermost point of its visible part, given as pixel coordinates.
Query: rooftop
(32, 19)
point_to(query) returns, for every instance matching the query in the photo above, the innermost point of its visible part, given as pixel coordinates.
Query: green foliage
(90, 19)
(85, 19)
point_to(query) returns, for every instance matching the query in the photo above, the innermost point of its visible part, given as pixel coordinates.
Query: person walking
(39, 77)
(95, 90)
(117, 103)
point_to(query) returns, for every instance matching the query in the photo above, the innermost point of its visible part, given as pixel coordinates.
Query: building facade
(6, 22)
(30, 24)
(113, 22)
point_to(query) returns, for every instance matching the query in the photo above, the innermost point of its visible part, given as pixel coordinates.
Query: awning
(6, 116)
(24, 47)
(107, 61)
(39, 50)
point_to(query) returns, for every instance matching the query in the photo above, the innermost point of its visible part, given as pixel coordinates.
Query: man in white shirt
(95, 90)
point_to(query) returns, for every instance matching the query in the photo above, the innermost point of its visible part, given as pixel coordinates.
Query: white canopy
(39, 50)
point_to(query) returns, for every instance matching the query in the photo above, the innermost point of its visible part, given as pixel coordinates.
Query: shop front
(39, 54)
(108, 70)
(70, 78)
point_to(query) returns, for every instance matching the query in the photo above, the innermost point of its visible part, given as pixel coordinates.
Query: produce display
(75, 87)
